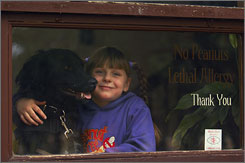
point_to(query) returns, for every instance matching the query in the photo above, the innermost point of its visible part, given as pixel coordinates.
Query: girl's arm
(27, 109)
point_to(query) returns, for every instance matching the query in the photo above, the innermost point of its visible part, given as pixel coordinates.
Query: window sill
(164, 156)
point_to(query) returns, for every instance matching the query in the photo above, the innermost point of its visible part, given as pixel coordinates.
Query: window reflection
(193, 76)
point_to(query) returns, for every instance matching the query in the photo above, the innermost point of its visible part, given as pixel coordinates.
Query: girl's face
(111, 83)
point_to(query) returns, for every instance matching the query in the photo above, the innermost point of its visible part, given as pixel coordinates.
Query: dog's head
(55, 73)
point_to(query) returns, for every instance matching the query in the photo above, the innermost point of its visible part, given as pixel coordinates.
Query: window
(176, 50)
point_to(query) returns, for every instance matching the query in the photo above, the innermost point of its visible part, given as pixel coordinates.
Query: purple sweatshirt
(124, 125)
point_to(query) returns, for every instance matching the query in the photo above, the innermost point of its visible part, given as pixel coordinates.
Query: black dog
(56, 76)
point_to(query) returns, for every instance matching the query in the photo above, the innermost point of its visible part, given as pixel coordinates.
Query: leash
(68, 132)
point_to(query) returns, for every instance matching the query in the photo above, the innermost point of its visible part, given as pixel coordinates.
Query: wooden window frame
(119, 16)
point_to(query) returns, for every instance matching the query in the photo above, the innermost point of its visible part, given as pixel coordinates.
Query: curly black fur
(47, 76)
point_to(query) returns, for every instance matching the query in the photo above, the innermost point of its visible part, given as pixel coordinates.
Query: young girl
(115, 120)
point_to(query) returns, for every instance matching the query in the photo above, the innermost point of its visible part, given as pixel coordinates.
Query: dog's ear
(32, 75)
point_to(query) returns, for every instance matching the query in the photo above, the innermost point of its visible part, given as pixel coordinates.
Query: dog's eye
(69, 68)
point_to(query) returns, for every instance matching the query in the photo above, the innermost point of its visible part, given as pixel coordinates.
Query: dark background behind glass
(154, 51)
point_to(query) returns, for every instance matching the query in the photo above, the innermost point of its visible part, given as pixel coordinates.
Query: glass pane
(193, 81)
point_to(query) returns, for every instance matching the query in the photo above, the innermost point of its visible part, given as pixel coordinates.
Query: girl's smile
(103, 87)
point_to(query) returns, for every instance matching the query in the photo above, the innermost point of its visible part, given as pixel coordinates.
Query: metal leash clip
(67, 130)
(51, 107)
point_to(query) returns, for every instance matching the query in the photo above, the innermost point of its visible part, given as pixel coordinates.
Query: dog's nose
(92, 82)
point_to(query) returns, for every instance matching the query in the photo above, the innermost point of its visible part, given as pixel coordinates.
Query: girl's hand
(27, 109)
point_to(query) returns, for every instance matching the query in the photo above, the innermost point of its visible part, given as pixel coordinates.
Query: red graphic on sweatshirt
(109, 142)
(92, 137)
